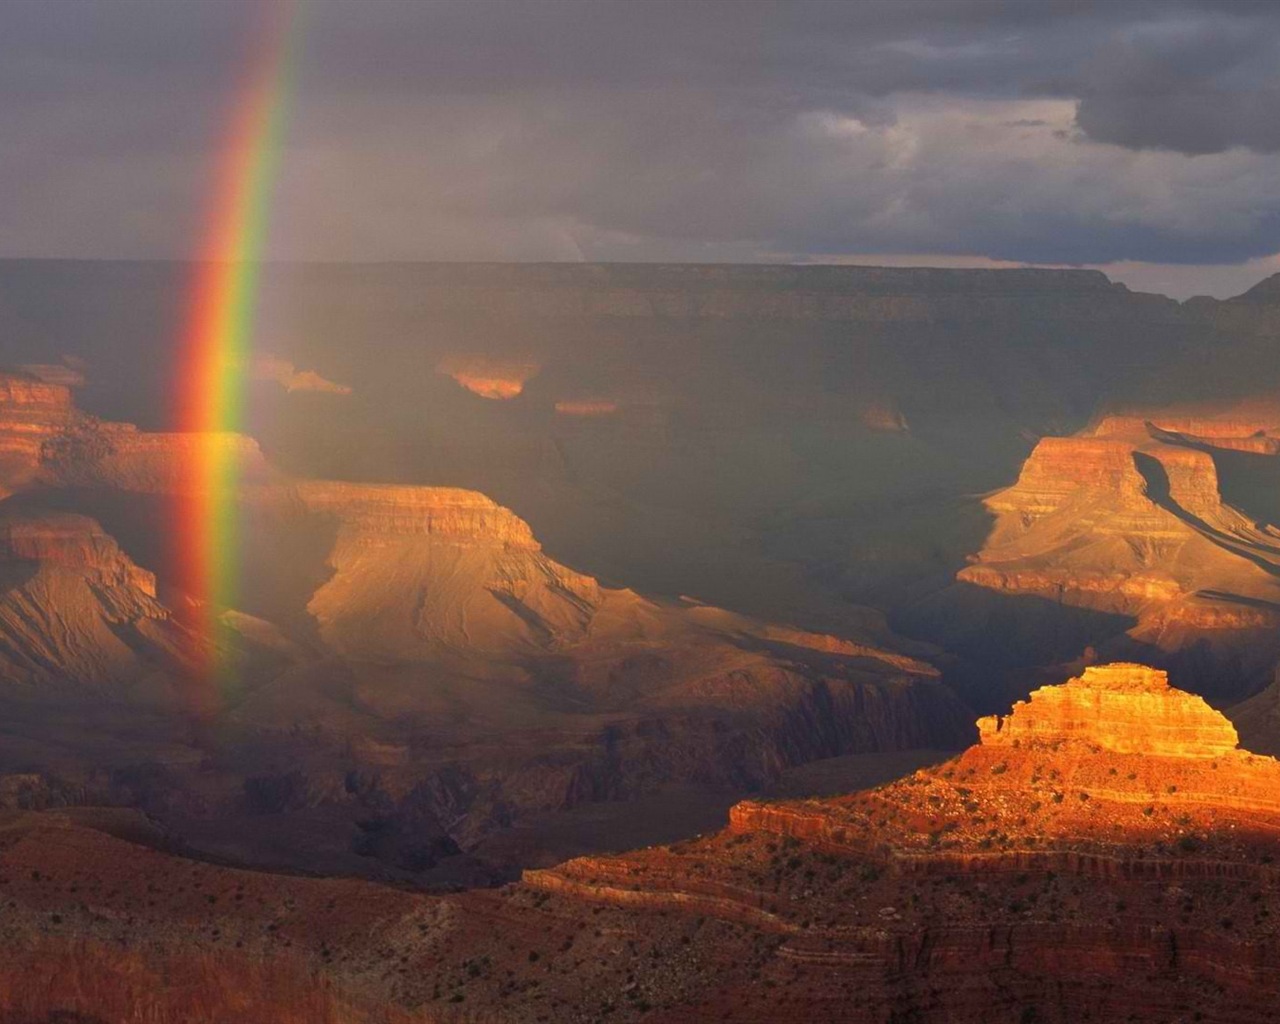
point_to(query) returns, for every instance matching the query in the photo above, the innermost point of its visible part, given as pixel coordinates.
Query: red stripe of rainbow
(219, 334)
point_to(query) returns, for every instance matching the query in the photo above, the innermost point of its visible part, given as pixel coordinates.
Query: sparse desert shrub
(90, 983)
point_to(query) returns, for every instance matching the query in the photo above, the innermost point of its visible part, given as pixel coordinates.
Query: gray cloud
(1046, 132)
(1195, 84)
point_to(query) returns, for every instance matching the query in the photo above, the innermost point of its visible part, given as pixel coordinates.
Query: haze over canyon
(642, 511)
(545, 563)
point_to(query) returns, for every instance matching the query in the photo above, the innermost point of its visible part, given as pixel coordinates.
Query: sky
(1137, 136)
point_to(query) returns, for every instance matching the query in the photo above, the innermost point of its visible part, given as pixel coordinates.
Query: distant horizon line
(1083, 270)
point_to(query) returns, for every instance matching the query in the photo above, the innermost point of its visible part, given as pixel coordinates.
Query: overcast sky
(1143, 137)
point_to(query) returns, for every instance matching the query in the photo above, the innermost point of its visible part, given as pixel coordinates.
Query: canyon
(1157, 522)
(1105, 851)
(415, 678)
(544, 563)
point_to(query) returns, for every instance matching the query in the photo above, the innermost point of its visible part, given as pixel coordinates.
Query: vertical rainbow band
(213, 364)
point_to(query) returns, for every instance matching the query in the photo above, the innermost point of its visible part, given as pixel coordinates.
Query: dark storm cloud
(1040, 131)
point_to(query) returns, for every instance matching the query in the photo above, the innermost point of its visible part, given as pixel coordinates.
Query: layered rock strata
(1104, 853)
(1113, 817)
(75, 611)
(1127, 709)
(1159, 522)
(435, 672)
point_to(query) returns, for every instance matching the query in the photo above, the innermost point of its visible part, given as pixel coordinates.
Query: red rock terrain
(76, 612)
(35, 412)
(415, 673)
(496, 379)
(1104, 853)
(1156, 521)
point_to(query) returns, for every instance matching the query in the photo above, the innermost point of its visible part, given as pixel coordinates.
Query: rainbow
(216, 346)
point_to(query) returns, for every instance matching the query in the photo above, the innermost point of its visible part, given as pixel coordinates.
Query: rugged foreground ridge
(1105, 853)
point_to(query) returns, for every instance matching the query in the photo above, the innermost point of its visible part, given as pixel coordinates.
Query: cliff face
(33, 412)
(741, 369)
(1127, 709)
(1163, 522)
(1100, 818)
(418, 569)
(45, 440)
(748, 399)
(1061, 870)
(118, 457)
(74, 543)
(380, 612)
(76, 612)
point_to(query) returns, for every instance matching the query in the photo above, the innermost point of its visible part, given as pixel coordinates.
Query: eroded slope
(1106, 852)
(1155, 528)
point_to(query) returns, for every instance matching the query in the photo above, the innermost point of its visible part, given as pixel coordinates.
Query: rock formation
(493, 378)
(34, 412)
(1112, 816)
(1104, 853)
(1134, 518)
(1127, 709)
(77, 612)
(773, 476)
(281, 371)
(419, 569)
(439, 677)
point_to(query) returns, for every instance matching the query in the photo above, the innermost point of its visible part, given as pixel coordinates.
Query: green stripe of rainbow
(219, 334)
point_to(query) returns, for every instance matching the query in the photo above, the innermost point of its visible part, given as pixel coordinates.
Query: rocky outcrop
(1180, 759)
(46, 441)
(443, 513)
(76, 612)
(1102, 816)
(418, 570)
(118, 457)
(1134, 518)
(1214, 422)
(32, 412)
(489, 377)
(1129, 709)
(75, 543)
(1055, 872)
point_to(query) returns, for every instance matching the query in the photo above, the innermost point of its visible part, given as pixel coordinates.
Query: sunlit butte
(493, 378)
